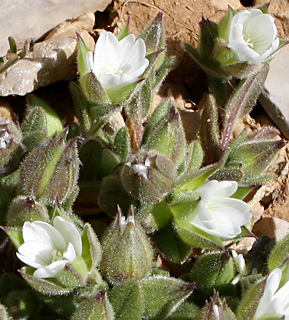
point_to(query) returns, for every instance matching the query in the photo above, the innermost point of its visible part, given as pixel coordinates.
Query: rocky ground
(52, 64)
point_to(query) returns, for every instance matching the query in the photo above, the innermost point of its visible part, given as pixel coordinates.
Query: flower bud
(51, 171)
(40, 122)
(165, 133)
(216, 309)
(127, 252)
(147, 176)
(23, 209)
(11, 146)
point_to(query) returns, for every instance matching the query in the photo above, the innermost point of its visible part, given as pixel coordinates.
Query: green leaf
(122, 144)
(212, 271)
(250, 301)
(210, 129)
(163, 296)
(112, 193)
(241, 102)
(171, 245)
(279, 254)
(98, 308)
(127, 302)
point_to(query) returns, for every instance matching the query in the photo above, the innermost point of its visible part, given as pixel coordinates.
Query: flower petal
(69, 232)
(51, 270)
(44, 232)
(35, 252)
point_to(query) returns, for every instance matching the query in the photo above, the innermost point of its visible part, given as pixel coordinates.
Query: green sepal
(196, 237)
(93, 89)
(91, 249)
(209, 31)
(47, 287)
(124, 32)
(82, 51)
(74, 274)
(40, 116)
(15, 235)
(162, 72)
(264, 8)
(210, 66)
(81, 107)
(155, 216)
(122, 93)
(130, 307)
(279, 254)
(223, 28)
(250, 301)
(154, 39)
(193, 179)
(98, 308)
(171, 245)
(164, 295)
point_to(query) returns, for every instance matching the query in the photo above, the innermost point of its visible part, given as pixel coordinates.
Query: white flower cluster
(49, 248)
(218, 214)
(253, 35)
(275, 300)
(117, 63)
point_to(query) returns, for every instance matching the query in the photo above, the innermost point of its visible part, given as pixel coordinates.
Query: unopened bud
(127, 252)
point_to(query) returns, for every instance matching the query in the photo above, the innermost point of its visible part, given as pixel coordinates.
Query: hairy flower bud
(50, 171)
(23, 209)
(127, 253)
(10, 144)
(148, 176)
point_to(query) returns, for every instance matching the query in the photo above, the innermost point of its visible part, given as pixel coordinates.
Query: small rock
(274, 96)
(271, 227)
(52, 60)
(30, 19)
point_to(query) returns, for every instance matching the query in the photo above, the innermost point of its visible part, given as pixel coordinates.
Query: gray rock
(274, 98)
(52, 60)
(30, 19)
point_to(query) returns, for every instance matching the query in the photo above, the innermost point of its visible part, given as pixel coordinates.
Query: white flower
(241, 266)
(218, 214)
(49, 248)
(253, 35)
(117, 63)
(274, 302)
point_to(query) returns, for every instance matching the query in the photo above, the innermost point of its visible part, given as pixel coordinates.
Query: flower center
(248, 41)
(113, 71)
(57, 256)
